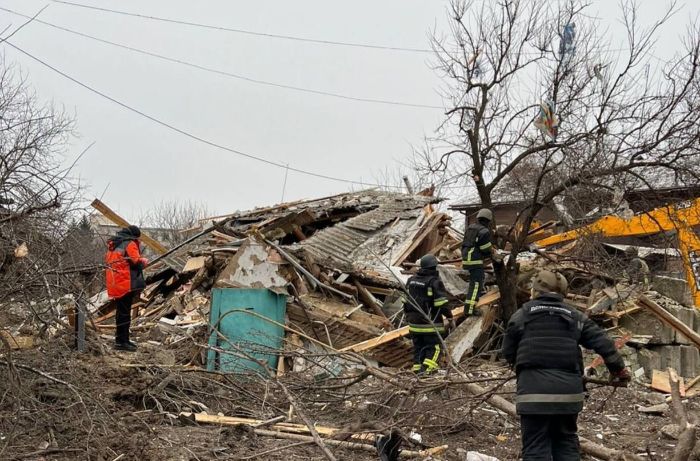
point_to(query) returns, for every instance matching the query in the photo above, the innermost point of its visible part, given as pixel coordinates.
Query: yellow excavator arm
(679, 217)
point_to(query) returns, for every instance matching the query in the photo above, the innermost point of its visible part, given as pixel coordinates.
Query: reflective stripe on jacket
(542, 342)
(476, 245)
(427, 305)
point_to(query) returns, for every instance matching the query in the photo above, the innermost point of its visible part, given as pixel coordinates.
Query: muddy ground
(125, 406)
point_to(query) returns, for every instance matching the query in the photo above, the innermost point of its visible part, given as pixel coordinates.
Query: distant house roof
(639, 199)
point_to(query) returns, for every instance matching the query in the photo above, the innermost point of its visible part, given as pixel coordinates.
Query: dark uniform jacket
(476, 245)
(542, 342)
(427, 305)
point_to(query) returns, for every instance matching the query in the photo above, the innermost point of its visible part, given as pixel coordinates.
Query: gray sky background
(348, 139)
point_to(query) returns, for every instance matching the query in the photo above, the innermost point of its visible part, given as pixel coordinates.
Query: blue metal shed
(249, 323)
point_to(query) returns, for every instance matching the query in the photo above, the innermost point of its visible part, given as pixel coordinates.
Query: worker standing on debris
(124, 277)
(476, 248)
(543, 343)
(637, 269)
(427, 315)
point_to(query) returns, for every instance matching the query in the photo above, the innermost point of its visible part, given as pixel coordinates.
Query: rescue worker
(124, 277)
(476, 248)
(637, 269)
(427, 315)
(543, 342)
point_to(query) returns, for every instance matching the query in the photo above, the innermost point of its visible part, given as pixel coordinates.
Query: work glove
(144, 262)
(620, 378)
(450, 325)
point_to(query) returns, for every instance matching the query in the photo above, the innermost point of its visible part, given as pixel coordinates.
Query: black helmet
(428, 262)
(134, 231)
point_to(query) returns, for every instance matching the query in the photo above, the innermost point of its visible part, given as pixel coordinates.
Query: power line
(247, 32)
(186, 133)
(225, 73)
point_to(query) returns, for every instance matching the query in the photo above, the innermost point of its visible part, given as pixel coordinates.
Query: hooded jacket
(125, 265)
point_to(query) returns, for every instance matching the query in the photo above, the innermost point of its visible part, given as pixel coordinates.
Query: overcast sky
(141, 163)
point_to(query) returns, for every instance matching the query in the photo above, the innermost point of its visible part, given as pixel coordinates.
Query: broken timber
(670, 319)
(119, 221)
(300, 431)
(462, 339)
(486, 300)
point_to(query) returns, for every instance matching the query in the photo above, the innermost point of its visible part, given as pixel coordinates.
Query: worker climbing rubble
(427, 314)
(124, 278)
(542, 343)
(637, 270)
(476, 249)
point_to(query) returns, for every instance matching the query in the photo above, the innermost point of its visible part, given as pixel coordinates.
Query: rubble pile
(318, 352)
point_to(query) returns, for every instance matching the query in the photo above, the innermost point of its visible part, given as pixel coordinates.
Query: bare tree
(38, 198)
(173, 218)
(624, 118)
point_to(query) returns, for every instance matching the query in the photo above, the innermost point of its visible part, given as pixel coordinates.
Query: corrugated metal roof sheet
(338, 243)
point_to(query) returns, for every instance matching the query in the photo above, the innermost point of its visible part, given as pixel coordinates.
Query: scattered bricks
(690, 361)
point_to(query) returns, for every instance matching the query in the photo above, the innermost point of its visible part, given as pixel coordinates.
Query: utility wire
(247, 32)
(186, 133)
(224, 73)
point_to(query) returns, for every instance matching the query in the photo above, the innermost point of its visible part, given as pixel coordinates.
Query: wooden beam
(490, 298)
(371, 302)
(428, 226)
(670, 320)
(108, 213)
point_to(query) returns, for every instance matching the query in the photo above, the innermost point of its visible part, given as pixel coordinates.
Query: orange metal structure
(679, 217)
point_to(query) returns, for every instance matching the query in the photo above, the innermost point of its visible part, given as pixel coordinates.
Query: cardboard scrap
(17, 341)
(660, 381)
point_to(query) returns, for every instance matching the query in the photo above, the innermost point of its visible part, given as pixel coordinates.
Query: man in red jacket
(124, 276)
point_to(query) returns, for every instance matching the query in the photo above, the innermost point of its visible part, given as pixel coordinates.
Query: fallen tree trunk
(587, 446)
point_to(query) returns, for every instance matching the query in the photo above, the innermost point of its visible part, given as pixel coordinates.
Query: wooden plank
(380, 290)
(670, 320)
(490, 298)
(371, 302)
(119, 221)
(194, 264)
(281, 427)
(660, 381)
(429, 226)
(461, 341)
(107, 316)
